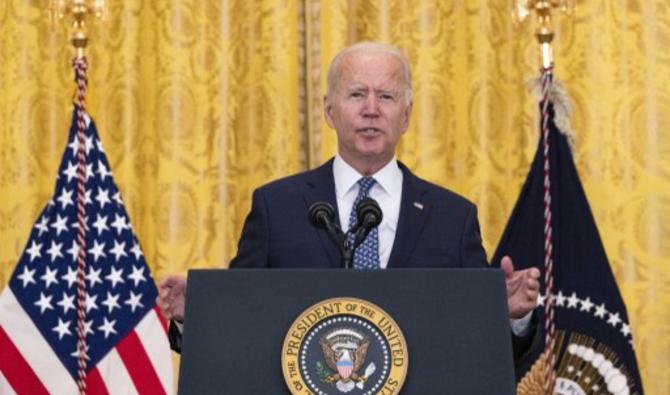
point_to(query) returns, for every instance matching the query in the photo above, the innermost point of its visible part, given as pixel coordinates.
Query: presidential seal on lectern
(344, 346)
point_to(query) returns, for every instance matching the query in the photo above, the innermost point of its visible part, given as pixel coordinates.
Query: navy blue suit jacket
(436, 227)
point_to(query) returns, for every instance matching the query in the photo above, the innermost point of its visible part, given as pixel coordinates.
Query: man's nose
(371, 108)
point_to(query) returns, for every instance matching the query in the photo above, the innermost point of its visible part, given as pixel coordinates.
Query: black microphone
(369, 215)
(321, 214)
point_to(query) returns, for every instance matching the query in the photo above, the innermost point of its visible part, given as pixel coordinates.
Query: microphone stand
(321, 215)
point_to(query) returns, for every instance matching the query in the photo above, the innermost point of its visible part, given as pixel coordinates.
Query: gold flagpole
(80, 10)
(545, 35)
(544, 31)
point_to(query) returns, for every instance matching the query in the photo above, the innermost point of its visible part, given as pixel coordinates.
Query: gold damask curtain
(199, 102)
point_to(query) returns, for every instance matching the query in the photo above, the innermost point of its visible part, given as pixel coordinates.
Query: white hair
(367, 46)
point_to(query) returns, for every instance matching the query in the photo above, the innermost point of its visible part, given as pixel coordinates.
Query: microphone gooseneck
(369, 216)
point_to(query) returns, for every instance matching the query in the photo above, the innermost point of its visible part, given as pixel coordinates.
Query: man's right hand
(171, 297)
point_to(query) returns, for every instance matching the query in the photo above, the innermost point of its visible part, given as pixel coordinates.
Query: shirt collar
(389, 177)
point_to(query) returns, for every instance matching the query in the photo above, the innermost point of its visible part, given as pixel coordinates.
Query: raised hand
(523, 287)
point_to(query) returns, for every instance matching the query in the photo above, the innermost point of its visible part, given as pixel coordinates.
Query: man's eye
(386, 97)
(356, 94)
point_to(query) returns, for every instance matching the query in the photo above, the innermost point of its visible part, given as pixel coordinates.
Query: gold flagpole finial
(80, 10)
(544, 31)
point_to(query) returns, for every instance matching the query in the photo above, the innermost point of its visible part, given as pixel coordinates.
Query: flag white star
(42, 225)
(107, 327)
(100, 224)
(97, 250)
(54, 250)
(89, 171)
(67, 303)
(613, 319)
(137, 275)
(560, 299)
(102, 197)
(625, 329)
(90, 302)
(111, 302)
(74, 145)
(65, 198)
(71, 171)
(76, 352)
(44, 303)
(134, 301)
(136, 251)
(49, 277)
(93, 276)
(103, 171)
(117, 198)
(540, 299)
(63, 328)
(114, 276)
(34, 251)
(586, 305)
(87, 328)
(99, 144)
(75, 224)
(74, 250)
(600, 311)
(70, 277)
(87, 197)
(60, 224)
(573, 300)
(120, 223)
(27, 276)
(119, 250)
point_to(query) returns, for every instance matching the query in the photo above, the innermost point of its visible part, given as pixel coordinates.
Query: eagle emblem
(334, 348)
(344, 351)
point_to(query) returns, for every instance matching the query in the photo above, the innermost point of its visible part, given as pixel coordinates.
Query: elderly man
(368, 103)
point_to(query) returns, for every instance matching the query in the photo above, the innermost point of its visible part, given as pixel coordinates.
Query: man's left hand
(523, 287)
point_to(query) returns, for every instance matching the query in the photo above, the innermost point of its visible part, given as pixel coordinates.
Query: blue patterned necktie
(367, 254)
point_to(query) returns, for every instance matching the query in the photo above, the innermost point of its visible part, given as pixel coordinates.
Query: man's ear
(328, 111)
(408, 115)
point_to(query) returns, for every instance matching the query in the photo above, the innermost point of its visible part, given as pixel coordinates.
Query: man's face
(367, 107)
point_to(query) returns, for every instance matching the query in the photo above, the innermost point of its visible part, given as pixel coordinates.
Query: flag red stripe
(139, 366)
(16, 370)
(161, 318)
(94, 383)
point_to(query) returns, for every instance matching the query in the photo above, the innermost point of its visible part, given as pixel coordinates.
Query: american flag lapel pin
(418, 205)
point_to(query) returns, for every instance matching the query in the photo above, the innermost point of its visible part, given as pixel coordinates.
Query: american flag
(126, 340)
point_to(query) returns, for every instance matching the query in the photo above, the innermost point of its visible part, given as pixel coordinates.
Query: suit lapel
(414, 210)
(320, 186)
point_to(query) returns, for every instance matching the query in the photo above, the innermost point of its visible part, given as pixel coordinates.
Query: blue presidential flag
(594, 341)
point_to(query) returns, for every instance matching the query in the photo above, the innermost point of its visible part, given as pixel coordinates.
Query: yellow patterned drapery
(198, 102)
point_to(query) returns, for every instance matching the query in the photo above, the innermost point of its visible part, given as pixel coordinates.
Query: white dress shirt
(387, 191)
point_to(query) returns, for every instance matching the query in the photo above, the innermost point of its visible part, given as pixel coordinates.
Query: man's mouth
(371, 131)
